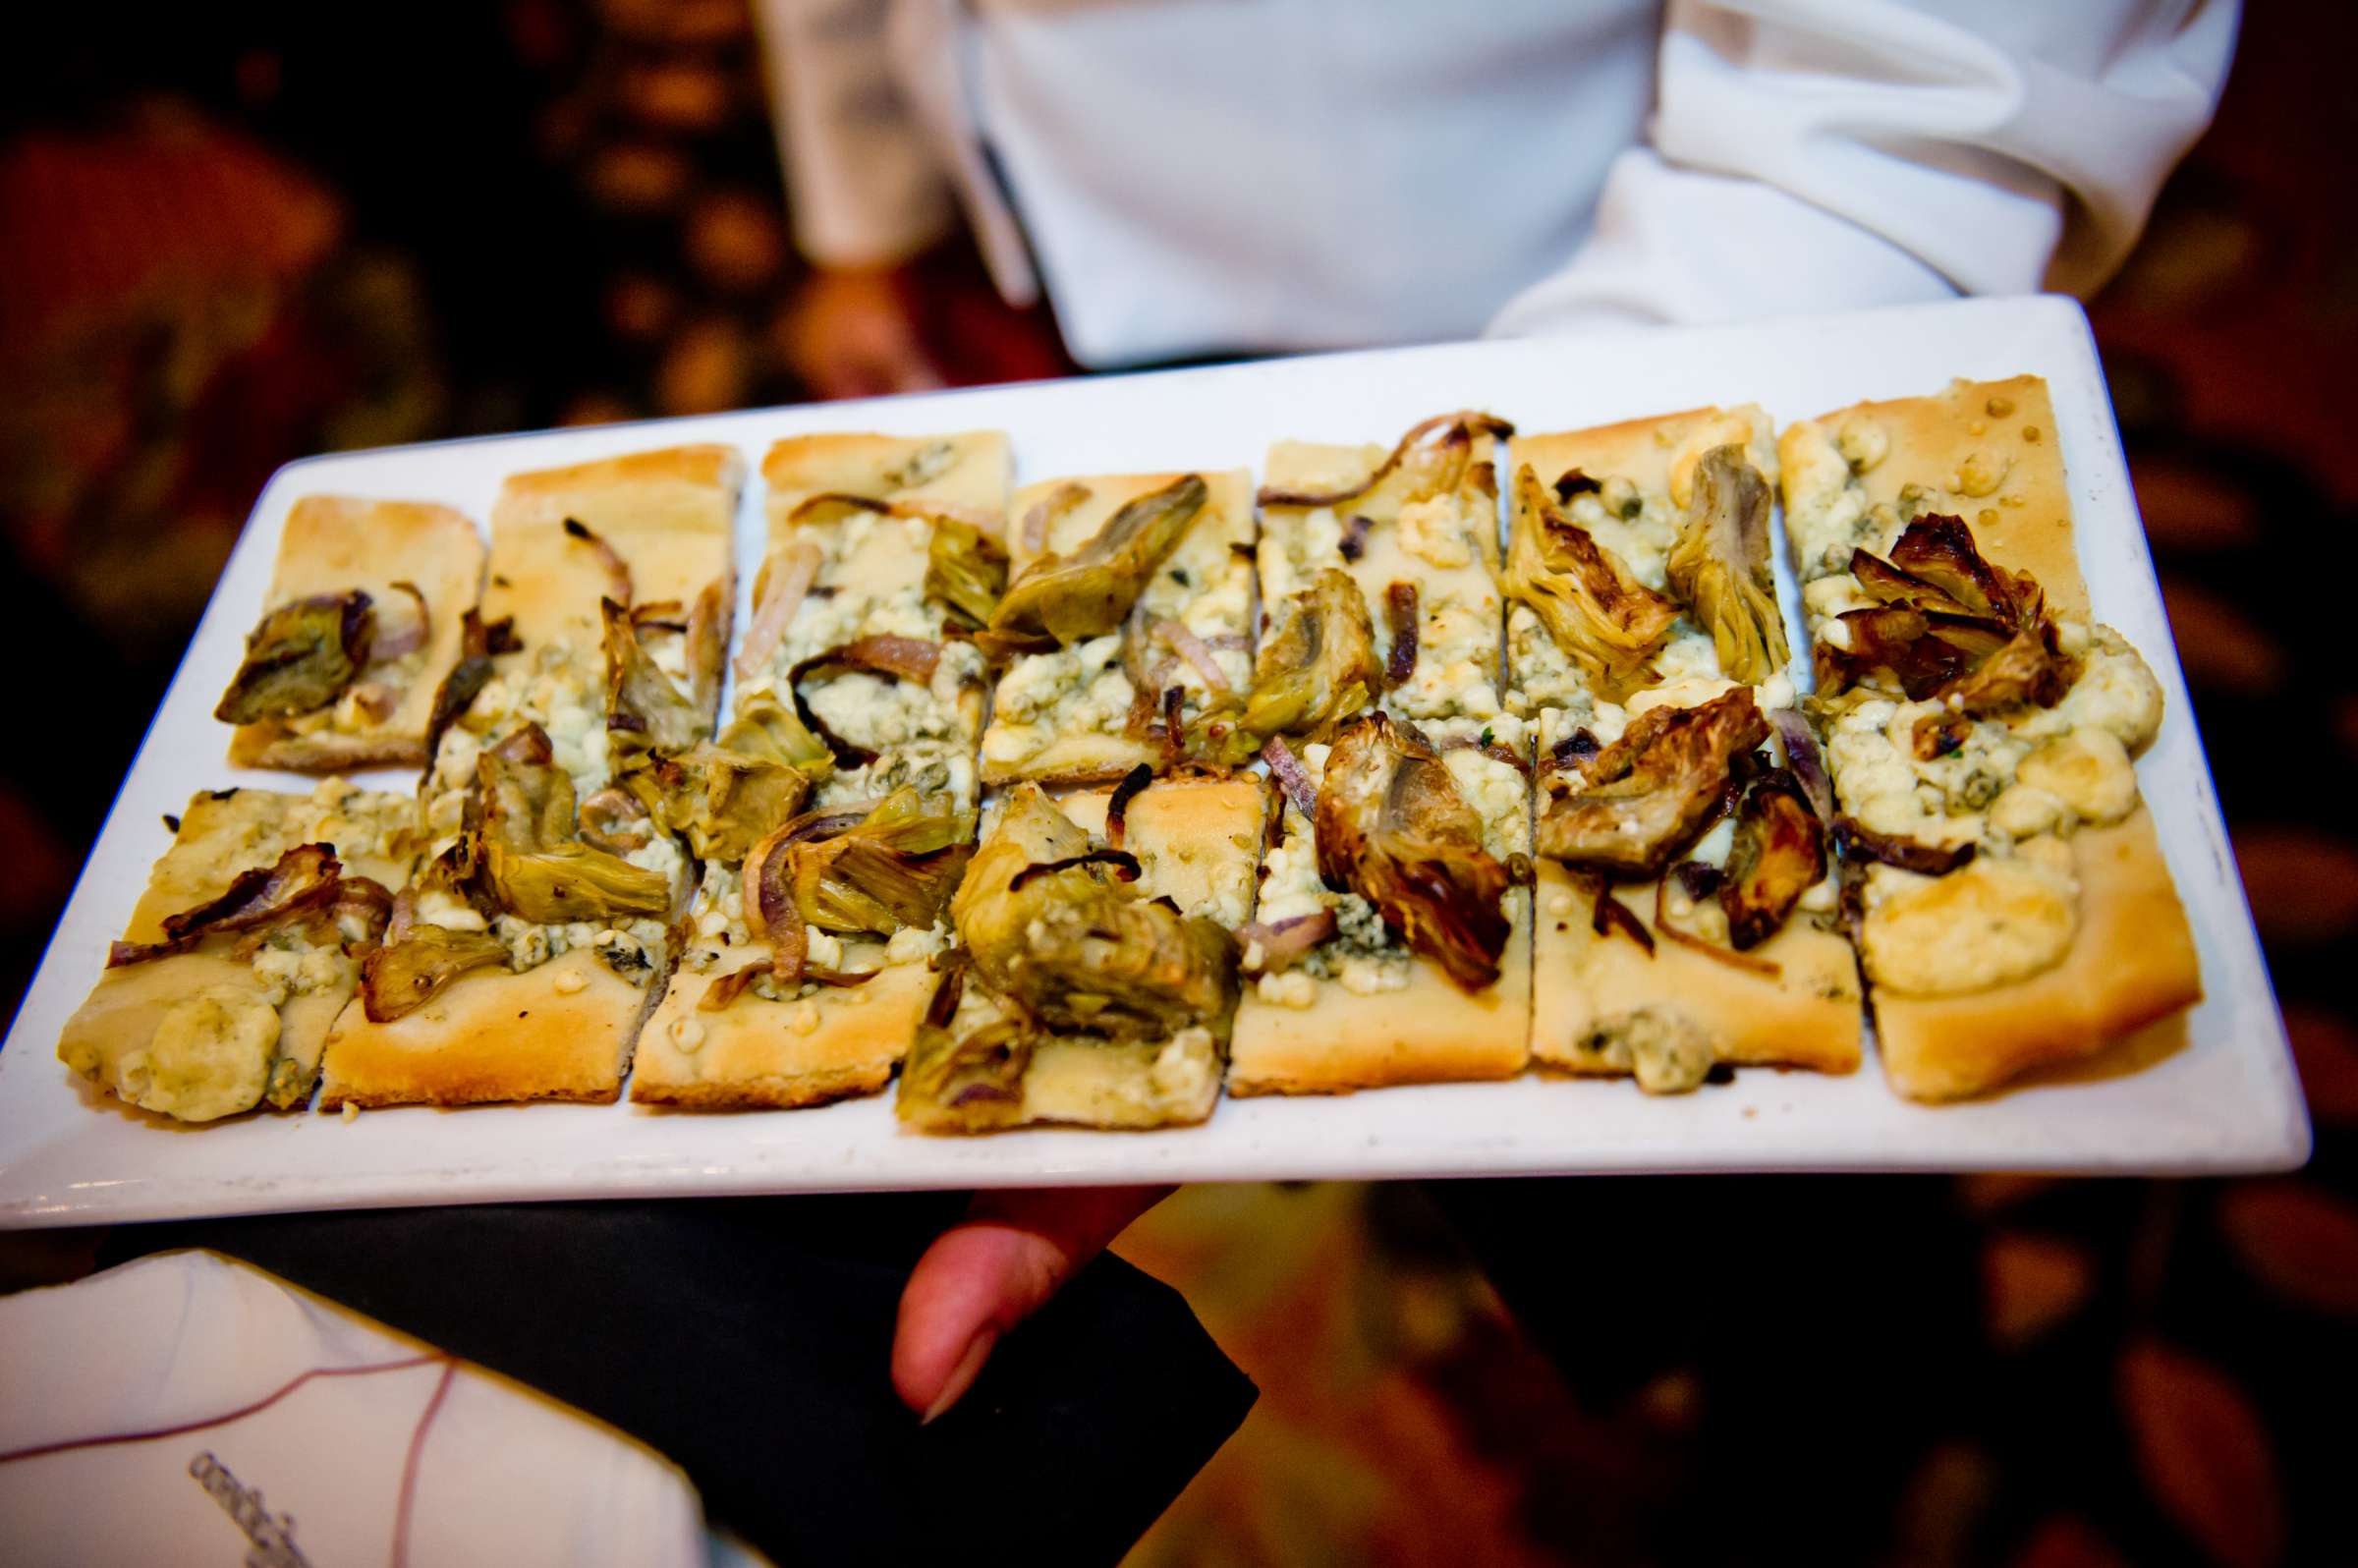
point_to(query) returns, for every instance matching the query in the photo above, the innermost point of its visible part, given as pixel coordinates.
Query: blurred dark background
(234, 235)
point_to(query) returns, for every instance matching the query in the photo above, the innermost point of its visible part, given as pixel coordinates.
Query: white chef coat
(1199, 176)
(496, 1473)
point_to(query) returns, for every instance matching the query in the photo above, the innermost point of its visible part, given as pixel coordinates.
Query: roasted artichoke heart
(1603, 618)
(299, 658)
(1061, 599)
(480, 641)
(645, 711)
(1949, 625)
(894, 866)
(572, 881)
(1391, 827)
(1630, 808)
(1779, 854)
(851, 871)
(1721, 567)
(723, 796)
(1317, 668)
(1077, 948)
(965, 570)
(531, 862)
(401, 976)
(970, 1062)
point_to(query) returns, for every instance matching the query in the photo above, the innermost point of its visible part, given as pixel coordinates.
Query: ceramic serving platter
(2214, 1092)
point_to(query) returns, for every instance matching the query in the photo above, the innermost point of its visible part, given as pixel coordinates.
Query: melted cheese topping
(209, 1056)
(1989, 922)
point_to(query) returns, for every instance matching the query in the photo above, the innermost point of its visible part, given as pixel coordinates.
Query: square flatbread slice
(1621, 994)
(755, 1054)
(421, 567)
(1416, 525)
(1077, 715)
(1194, 841)
(651, 530)
(855, 523)
(210, 1030)
(1359, 1010)
(2062, 931)
(730, 1036)
(851, 521)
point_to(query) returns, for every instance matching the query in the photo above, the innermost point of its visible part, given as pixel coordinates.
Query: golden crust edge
(1752, 1018)
(1286, 1050)
(490, 1066)
(2132, 962)
(852, 1045)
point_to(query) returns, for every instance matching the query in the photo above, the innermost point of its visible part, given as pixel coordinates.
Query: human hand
(991, 1270)
(852, 334)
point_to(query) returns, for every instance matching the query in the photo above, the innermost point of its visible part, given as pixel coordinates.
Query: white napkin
(387, 1451)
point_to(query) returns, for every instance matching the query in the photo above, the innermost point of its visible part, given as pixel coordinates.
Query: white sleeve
(1829, 155)
(861, 174)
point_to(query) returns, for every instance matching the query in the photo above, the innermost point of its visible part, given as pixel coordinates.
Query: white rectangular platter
(2214, 1093)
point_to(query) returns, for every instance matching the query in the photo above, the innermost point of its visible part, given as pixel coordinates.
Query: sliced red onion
(376, 699)
(1121, 863)
(790, 576)
(1400, 609)
(618, 571)
(1288, 771)
(1895, 849)
(1118, 805)
(1191, 648)
(385, 645)
(829, 506)
(1057, 502)
(905, 658)
(1802, 756)
(1288, 939)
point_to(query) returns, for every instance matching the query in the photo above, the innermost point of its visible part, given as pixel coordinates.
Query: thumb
(991, 1270)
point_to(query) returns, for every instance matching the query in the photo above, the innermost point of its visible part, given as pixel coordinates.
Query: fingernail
(962, 1376)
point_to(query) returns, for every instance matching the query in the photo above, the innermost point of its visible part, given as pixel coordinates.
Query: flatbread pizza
(1393, 941)
(844, 812)
(537, 932)
(2013, 909)
(366, 616)
(1687, 904)
(1095, 980)
(245, 946)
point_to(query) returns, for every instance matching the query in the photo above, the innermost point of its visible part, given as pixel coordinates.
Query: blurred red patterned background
(234, 240)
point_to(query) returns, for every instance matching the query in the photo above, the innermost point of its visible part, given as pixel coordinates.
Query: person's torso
(1208, 176)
